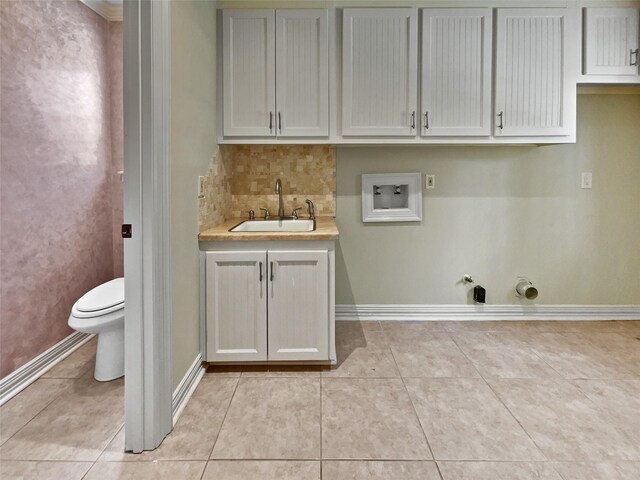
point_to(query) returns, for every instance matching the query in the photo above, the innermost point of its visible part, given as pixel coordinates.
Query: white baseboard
(187, 386)
(426, 313)
(17, 381)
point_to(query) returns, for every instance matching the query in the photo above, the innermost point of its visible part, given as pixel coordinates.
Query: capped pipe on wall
(524, 288)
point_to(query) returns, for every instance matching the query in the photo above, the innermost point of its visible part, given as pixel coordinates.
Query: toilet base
(110, 355)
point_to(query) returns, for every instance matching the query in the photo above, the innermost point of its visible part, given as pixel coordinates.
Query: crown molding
(109, 11)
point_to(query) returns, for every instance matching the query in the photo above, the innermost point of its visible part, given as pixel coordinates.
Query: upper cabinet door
(298, 305)
(249, 72)
(611, 41)
(456, 72)
(302, 73)
(531, 73)
(379, 87)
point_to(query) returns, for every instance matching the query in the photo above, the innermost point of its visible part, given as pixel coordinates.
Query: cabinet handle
(426, 120)
(279, 122)
(501, 124)
(631, 55)
(271, 271)
(270, 122)
(413, 120)
(260, 272)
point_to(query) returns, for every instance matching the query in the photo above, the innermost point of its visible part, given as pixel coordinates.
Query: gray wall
(498, 212)
(192, 143)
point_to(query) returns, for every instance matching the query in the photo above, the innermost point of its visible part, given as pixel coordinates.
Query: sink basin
(277, 225)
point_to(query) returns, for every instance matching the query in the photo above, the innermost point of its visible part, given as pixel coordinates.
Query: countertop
(326, 229)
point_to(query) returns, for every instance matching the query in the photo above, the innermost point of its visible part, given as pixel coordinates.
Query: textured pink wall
(117, 141)
(56, 175)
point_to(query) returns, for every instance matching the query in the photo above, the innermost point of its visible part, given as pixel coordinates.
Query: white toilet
(101, 311)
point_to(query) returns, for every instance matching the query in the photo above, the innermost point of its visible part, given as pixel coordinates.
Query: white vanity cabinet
(611, 41)
(379, 72)
(535, 62)
(275, 73)
(271, 303)
(236, 298)
(298, 305)
(456, 72)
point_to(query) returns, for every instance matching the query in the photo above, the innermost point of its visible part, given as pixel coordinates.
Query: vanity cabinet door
(249, 60)
(456, 72)
(236, 306)
(611, 41)
(302, 73)
(532, 84)
(298, 305)
(379, 72)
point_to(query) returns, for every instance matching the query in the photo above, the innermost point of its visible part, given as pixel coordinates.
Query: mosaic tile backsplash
(215, 205)
(242, 178)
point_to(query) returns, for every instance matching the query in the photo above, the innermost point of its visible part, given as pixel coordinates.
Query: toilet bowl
(101, 311)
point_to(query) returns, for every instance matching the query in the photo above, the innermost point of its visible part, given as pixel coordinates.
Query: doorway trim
(148, 363)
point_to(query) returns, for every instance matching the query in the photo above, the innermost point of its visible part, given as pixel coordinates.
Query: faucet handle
(252, 215)
(294, 213)
(266, 213)
(312, 210)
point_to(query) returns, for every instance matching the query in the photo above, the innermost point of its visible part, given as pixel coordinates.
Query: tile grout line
(223, 419)
(89, 470)
(415, 412)
(544, 360)
(73, 381)
(507, 408)
(321, 417)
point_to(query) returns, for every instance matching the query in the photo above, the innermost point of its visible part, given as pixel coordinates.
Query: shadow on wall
(346, 292)
(499, 212)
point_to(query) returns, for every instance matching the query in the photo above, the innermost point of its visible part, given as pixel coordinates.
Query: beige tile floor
(429, 401)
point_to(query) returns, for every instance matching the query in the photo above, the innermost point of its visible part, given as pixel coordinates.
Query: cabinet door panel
(611, 41)
(249, 72)
(379, 93)
(298, 305)
(531, 72)
(302, 73)
(236, 306)
(456, 72)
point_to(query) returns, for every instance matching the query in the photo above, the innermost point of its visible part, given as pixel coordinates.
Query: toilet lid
(102, 297)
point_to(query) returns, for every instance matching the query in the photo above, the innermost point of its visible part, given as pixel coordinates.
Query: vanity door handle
(260, 272)
(501, 124)
(631, 55)
(271, 271)
(413, 120)
(426, 120)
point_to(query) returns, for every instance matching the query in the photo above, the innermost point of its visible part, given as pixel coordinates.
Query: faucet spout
(279, 193)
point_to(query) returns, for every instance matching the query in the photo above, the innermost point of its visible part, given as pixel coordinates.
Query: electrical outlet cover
(430, 181)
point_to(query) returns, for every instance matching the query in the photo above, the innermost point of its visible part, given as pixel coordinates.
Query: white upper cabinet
(380, 58)
(456, 72)
(531, 82)
(302, 73)
(249, 66)
(611, 41)
(275, 73)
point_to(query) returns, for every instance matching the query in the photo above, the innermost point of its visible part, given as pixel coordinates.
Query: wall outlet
(430, 181)
(200, 186)
(587, 180)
